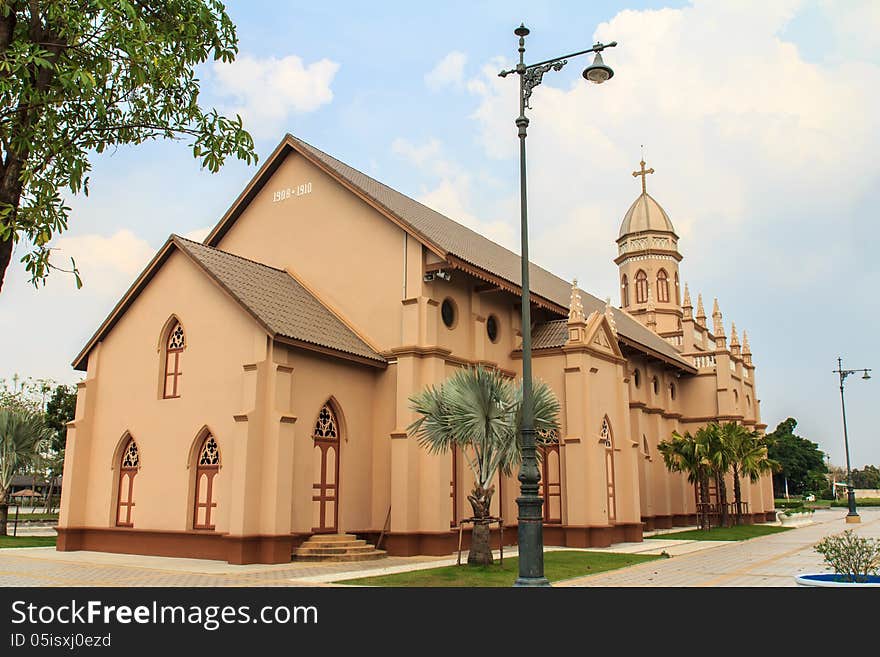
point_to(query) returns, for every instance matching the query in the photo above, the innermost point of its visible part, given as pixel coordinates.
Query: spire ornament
(575, 307)
(701, 314)
(609, 315)
(687, 306)
(717, 324)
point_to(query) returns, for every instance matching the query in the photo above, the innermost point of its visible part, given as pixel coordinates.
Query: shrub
(790, 504)
(860, 501)
(853, 557)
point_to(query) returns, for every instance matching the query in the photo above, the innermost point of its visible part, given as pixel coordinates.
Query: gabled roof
(276, 300)
(449, 240)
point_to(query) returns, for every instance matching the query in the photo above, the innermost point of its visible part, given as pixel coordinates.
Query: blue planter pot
(832, 580)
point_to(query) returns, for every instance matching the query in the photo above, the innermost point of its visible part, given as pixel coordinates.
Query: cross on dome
(643, 173)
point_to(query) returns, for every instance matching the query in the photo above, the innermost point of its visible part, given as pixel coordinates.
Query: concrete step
(335, 549)
(362, 556)
(332, 537)
(334, 544)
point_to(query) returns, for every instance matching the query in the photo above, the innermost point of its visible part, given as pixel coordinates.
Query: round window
(492, 328)
(447, 312)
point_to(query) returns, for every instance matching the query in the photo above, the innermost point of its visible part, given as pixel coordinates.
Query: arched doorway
(325, 490)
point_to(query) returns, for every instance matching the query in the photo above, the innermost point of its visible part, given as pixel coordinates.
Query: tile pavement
(767, 561)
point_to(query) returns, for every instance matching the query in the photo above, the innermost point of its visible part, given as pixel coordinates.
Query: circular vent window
(492, 328)
(447, 312)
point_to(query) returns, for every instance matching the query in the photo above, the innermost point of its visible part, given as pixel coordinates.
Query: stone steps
(336, 547)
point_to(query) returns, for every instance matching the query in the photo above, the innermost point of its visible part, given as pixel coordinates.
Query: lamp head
(866, 375)
(598, 72)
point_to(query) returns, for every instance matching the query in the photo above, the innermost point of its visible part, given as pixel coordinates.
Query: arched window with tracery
(175, 343)
(129, 464)
(624, 291)
(205, 498)
(325, 490)
(607, 438)
(547, 441)
(641, 286)
(662, 286)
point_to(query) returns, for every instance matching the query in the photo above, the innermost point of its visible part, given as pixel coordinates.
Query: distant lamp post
(852, 516)
(530, 538)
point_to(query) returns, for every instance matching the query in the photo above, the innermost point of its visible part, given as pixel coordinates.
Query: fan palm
(23, 436)
(478, 411)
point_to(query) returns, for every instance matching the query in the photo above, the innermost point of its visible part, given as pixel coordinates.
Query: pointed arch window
(662, 286)
(641, 286)
(606, 437)
(624, 291)
(129, 464)
(550, 486)
(205, 498)
(646, 447)
(605, 432)
(174, 346)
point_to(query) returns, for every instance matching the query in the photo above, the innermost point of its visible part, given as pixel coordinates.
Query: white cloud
(266, 91)
(107, 264)
(452, 190)
(198, 234)
(449, 71)
(748, 138)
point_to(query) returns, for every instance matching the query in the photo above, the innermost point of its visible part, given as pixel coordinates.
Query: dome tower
(648, 259)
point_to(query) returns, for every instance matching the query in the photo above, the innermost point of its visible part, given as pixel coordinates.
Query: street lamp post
(530, 538)
(853, 515)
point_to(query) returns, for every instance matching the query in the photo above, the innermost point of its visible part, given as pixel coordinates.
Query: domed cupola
(648, 258)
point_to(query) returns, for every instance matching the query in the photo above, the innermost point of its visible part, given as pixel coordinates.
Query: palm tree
(478, 411)
(23, 436)
(683, 453)
(749, 458)
(711, 444)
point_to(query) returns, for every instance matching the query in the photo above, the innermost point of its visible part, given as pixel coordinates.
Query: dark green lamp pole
(853, 515)
(530, 537)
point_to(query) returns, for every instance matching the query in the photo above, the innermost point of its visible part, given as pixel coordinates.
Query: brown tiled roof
(470, 246)
(277, 301)
(550, 334)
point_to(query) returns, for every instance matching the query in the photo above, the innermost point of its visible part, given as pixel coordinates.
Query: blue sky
(759, 119)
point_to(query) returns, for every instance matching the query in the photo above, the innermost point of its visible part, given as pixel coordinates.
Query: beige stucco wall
(123, 394)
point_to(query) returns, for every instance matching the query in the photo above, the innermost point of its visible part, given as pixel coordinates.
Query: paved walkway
(771, 560)
(766, 561)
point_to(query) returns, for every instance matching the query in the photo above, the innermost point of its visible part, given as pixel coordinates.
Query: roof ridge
(175, 236)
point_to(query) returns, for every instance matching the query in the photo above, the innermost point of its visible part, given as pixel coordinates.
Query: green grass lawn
(557, 565)
(27, 541)
(740, 533)
(32, 516)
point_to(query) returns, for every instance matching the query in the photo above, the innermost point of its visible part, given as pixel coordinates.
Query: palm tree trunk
(480, 553)
(4, 510)
(722, 495)
(737, 494)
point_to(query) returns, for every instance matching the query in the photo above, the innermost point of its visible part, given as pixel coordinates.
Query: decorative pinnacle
(687, 297)
(575, 307)
(746, 348)
(609, 315)
(701, 314)
(650, 306)
(734, 341)
(718, 328)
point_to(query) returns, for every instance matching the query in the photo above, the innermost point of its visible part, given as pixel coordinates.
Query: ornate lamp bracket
(534, 75)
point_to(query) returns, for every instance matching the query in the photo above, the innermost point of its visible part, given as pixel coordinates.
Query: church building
(251, 391)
